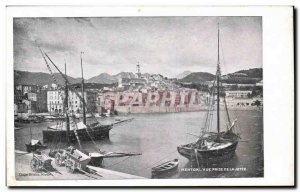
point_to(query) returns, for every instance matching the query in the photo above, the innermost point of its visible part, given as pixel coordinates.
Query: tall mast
(66, 105)
(82, 90)
(218, 87)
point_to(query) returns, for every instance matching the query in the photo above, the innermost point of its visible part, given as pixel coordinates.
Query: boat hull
(97, 133)
(33, 148)
(96, 161)
(207, 156)
(166, 169)
(156, 172)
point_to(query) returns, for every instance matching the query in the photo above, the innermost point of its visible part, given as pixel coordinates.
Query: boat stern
(184, 151)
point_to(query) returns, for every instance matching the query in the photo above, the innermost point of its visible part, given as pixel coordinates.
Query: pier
(23, 171)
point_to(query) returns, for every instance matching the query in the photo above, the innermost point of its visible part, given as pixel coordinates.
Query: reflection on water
(157, 136)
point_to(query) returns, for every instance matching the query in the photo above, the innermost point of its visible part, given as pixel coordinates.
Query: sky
(164, 45)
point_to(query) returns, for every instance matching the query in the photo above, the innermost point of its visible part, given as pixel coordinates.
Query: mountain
(183, 75)
(103, 78)
(248, 76)
(38, 78)
(128, 75)
(198, 77)
(251, 73)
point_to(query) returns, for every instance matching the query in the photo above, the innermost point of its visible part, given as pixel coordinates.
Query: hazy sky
(165, 45)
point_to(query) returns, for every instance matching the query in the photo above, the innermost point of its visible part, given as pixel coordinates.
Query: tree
(257, 103)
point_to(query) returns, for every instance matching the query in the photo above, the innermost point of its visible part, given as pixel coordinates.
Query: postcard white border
(278, 75)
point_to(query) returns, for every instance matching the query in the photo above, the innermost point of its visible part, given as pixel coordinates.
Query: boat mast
(82, 90)
(218, 88)
(66, 106)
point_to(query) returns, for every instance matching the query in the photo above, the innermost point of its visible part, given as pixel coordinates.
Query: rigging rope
(95, 144)
(234, 110)
(163, 158)
(197, 158)
(227, 113)
(77, 94)
(209, 114)
(59, 91)
(150, 166)
(118, 162)
(58, 144)
(67, 81)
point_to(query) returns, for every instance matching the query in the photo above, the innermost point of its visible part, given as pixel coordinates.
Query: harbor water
(157, 136)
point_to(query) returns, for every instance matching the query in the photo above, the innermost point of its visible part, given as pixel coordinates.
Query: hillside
(183, 74)
(38, 78)
(248, 76)
(124, 75)
(198, 77)
(103, 78)
(251, 73)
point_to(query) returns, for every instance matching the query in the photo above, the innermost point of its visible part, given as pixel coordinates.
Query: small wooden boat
(34, 145)
(96, 159)
(165, 167)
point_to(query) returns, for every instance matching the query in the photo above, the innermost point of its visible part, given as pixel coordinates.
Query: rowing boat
(165, 167)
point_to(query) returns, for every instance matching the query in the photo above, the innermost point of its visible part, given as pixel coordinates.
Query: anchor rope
(197, 158)
(164, 157)
(147, 166)
(118, 162)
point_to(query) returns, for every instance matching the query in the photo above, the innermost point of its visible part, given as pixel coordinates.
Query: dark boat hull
(97, 133)
(96, 161)
(207, 156)
(33, 148)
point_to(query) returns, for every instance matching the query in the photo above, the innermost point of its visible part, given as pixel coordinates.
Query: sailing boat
(213, 147)
(78, 131)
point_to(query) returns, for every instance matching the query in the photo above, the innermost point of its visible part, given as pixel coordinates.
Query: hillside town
(152, 104)
(138, 93)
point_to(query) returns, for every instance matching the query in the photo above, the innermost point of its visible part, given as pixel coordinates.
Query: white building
(55, 101)
(75, 104)
(238, 94)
